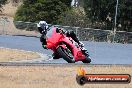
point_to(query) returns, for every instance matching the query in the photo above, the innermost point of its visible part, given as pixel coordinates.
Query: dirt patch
(56, 76)
(10, 9)
(7, 28)
(16, 55)
(7, 24)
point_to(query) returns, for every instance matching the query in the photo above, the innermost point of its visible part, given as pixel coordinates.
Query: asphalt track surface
(100, 52)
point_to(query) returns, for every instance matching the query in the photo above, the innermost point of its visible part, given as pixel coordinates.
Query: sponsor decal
(83, 78)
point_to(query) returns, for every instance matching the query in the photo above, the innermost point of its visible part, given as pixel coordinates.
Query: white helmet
(43, 25)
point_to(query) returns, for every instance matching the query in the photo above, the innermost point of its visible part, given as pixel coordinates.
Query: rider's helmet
(42, 26)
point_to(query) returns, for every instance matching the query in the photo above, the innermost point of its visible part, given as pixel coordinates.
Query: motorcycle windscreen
(52, 36)
(49, 32)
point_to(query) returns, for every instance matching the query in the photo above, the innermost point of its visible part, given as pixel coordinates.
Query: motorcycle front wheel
(66, 54)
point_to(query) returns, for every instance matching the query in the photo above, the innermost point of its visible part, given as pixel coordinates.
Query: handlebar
(59, 30)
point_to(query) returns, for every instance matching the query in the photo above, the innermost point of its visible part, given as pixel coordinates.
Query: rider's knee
(43, 40)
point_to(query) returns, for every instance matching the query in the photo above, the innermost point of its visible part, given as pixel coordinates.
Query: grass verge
(16, 55)
(56, 76)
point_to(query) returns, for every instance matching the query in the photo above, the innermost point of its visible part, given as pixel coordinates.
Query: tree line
(103, 11)
(89, 13)
(35, 10)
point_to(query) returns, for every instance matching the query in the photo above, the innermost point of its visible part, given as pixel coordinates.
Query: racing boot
(44, 46)
(81, 44)
(82, 47)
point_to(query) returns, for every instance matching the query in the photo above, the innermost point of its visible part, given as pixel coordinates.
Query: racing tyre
(87, 60)
(66, 54)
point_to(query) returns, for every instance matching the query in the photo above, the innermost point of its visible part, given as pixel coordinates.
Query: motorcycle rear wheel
(65, 54)
(87, 60)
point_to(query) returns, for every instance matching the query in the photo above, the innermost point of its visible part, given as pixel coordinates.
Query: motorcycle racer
(44, 29)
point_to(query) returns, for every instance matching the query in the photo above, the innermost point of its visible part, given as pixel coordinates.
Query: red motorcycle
(65, 47)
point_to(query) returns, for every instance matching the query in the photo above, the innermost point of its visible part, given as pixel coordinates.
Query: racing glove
(60, 30)
(44, 46)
